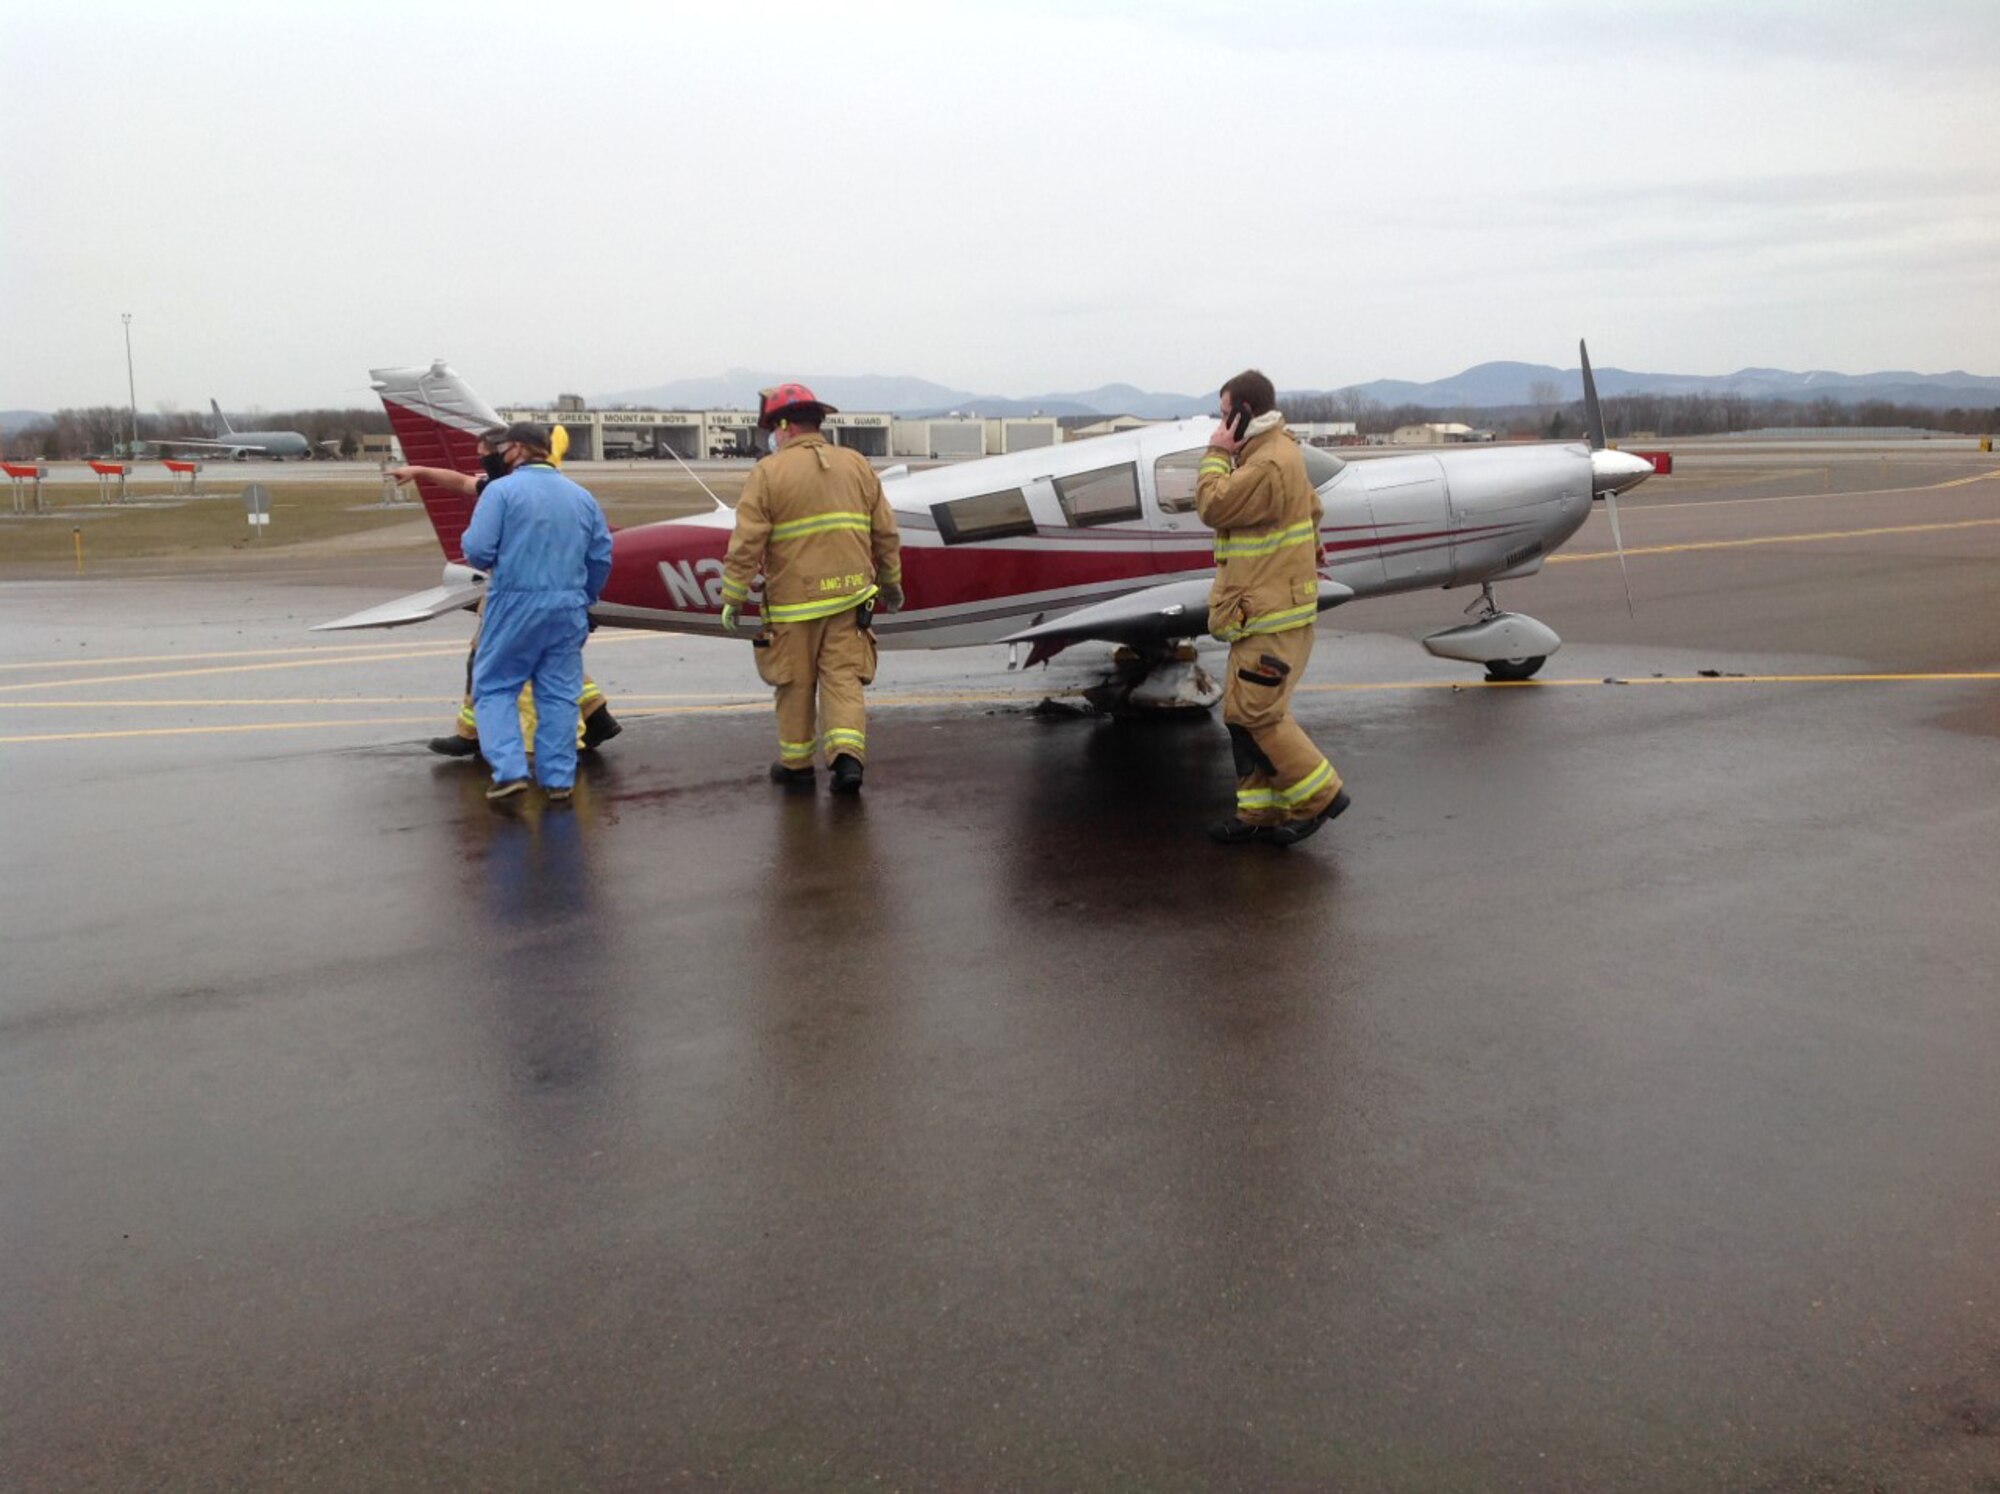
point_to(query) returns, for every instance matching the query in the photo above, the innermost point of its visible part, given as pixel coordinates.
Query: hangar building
(619, 435)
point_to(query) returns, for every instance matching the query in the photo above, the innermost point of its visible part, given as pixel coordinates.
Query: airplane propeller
(1610, 471)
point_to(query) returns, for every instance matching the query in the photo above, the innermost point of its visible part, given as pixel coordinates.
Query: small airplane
(1093, 540)
(241, 445)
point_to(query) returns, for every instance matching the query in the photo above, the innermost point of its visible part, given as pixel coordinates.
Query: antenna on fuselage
(723, 507)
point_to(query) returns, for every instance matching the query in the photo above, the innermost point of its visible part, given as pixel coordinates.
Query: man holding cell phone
(1254, 493)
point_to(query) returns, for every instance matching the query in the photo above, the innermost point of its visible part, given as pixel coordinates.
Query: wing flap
(418, 607)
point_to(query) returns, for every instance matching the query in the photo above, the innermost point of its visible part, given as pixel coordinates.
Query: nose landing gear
(1512, 645)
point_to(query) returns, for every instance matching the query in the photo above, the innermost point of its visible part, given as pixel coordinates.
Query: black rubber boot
(1298, 830)
(600, 726)
(792, 778)
(847, 774)
(1238, 833)
(455, 746)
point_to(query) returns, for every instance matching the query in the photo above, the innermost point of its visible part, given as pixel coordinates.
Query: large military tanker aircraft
(230, 442)
(1091, 540)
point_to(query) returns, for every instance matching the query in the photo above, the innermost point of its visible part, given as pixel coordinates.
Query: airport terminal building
(621, 435)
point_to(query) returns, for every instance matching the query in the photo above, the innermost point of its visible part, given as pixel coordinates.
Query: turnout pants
(817, 669)
(1280, 775)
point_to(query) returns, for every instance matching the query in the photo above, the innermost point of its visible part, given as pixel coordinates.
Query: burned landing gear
(1511, 645)
(1156, 679)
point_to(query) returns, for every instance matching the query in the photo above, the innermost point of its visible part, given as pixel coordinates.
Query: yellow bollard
(79, 550)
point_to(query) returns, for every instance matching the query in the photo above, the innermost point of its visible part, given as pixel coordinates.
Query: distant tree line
(102, 429)
(1624, 414)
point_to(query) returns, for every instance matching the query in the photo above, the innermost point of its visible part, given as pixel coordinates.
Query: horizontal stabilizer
(419, 607)
(1158, 614)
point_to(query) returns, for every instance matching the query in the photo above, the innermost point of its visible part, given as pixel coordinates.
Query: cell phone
(1239, 422)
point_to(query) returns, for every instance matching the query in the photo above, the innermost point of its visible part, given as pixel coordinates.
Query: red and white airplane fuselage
(1094, 539)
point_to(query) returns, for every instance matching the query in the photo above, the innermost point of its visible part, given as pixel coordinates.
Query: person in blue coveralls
(543, 541)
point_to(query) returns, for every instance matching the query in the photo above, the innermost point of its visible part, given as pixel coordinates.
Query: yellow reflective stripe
(735, 591)
(1273, 622)
(807, 611)
(795, 752)
(1266, 544)
(1215, 466)
(1307, 786)
(590, 692)
(467, 720)
(793, 529)
(845, 738)
(1257, 798)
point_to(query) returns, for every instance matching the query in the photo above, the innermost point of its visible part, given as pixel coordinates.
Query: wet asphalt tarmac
(1608, 1101)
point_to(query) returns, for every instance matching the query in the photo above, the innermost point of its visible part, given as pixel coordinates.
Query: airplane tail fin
(223, 427)
(438, 421)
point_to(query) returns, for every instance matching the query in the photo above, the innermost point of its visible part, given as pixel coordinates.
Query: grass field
(305, 516)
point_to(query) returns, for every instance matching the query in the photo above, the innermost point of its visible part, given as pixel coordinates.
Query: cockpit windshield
(1322, 466)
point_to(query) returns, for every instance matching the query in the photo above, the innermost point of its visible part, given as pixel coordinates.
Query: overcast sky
(1012, 198)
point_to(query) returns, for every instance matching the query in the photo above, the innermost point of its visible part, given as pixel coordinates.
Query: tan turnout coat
(1266, 515)
(814, 519)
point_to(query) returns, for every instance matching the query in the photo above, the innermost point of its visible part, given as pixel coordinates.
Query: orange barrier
(19, 473)
(190, 470)
(105, 472)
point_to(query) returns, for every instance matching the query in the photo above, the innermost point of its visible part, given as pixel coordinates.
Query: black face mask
(494, 465)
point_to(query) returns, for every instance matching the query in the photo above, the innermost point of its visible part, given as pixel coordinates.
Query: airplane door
(1406, 497)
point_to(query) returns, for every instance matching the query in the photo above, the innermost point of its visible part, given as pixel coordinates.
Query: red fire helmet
(774, 403)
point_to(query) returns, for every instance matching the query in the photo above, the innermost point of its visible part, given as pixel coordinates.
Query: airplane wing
(1174, 609)
(419, 607)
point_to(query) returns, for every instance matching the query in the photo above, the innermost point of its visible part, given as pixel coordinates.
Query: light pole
(131, 389)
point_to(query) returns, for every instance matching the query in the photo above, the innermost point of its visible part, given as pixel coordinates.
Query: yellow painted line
(203, 731)
(412, 649)
(761, 703)
(1770, 539)
(450, 702)
(241, 653)
(1972, 676)
(455, 652)
(988, 698)
(446, 702)
(1667, 506)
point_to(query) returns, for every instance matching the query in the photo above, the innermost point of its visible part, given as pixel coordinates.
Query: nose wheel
(1512, 671)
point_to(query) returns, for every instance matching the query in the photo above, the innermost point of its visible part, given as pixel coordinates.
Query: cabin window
(1174, 478)
(1106, 495)
(988, 516)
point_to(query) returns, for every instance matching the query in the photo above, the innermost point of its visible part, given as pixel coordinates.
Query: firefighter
(1252, 490)
(813, 518)
(544, 542)
(598, 725)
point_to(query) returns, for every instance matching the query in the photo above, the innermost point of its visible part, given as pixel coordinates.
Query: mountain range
(1483, 386)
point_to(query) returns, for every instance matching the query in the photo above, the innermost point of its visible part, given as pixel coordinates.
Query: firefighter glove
(729, 616)
(889, 597)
